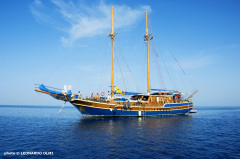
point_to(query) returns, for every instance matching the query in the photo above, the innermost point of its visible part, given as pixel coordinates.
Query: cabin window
(145, 98)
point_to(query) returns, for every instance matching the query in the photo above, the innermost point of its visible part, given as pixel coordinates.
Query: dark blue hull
(100, 112)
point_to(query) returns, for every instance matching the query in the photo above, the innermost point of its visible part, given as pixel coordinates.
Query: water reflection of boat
(155, 102)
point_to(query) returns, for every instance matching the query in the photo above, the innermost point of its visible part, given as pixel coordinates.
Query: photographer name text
(28, 153)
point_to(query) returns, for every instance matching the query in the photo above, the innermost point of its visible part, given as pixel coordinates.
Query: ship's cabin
(158, 97)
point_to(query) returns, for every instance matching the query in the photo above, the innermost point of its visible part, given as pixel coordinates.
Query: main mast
(147, 41)
(112, 35)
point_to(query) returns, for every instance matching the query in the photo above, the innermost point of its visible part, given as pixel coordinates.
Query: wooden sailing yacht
(156, 102)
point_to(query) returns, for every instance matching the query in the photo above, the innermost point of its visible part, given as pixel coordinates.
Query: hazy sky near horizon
(66, 42)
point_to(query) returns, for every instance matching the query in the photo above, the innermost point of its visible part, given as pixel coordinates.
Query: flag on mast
(118, 90)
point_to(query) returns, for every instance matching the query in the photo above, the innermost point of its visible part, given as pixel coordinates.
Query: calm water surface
(211, 133)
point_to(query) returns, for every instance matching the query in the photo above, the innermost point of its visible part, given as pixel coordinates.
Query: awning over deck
(161, 90)
(128, 93)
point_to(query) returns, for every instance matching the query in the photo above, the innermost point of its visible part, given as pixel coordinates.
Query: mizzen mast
(112, 35)
(147, 41)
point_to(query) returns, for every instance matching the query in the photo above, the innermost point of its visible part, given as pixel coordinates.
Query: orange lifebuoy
(123, 93)
(102, 94)
(165, 93)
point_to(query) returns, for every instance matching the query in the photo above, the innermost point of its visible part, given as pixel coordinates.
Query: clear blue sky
(66, 43)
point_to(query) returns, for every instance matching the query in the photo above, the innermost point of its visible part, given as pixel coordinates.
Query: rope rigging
(183, 81)
(103, 77)
(59, 66)
(142, 65)
(169, 73)
(178, 63)
(123, 62)
(158, 66)
(158, 63)
(120, 70)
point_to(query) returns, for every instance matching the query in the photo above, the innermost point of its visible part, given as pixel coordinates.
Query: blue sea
(40, 132)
